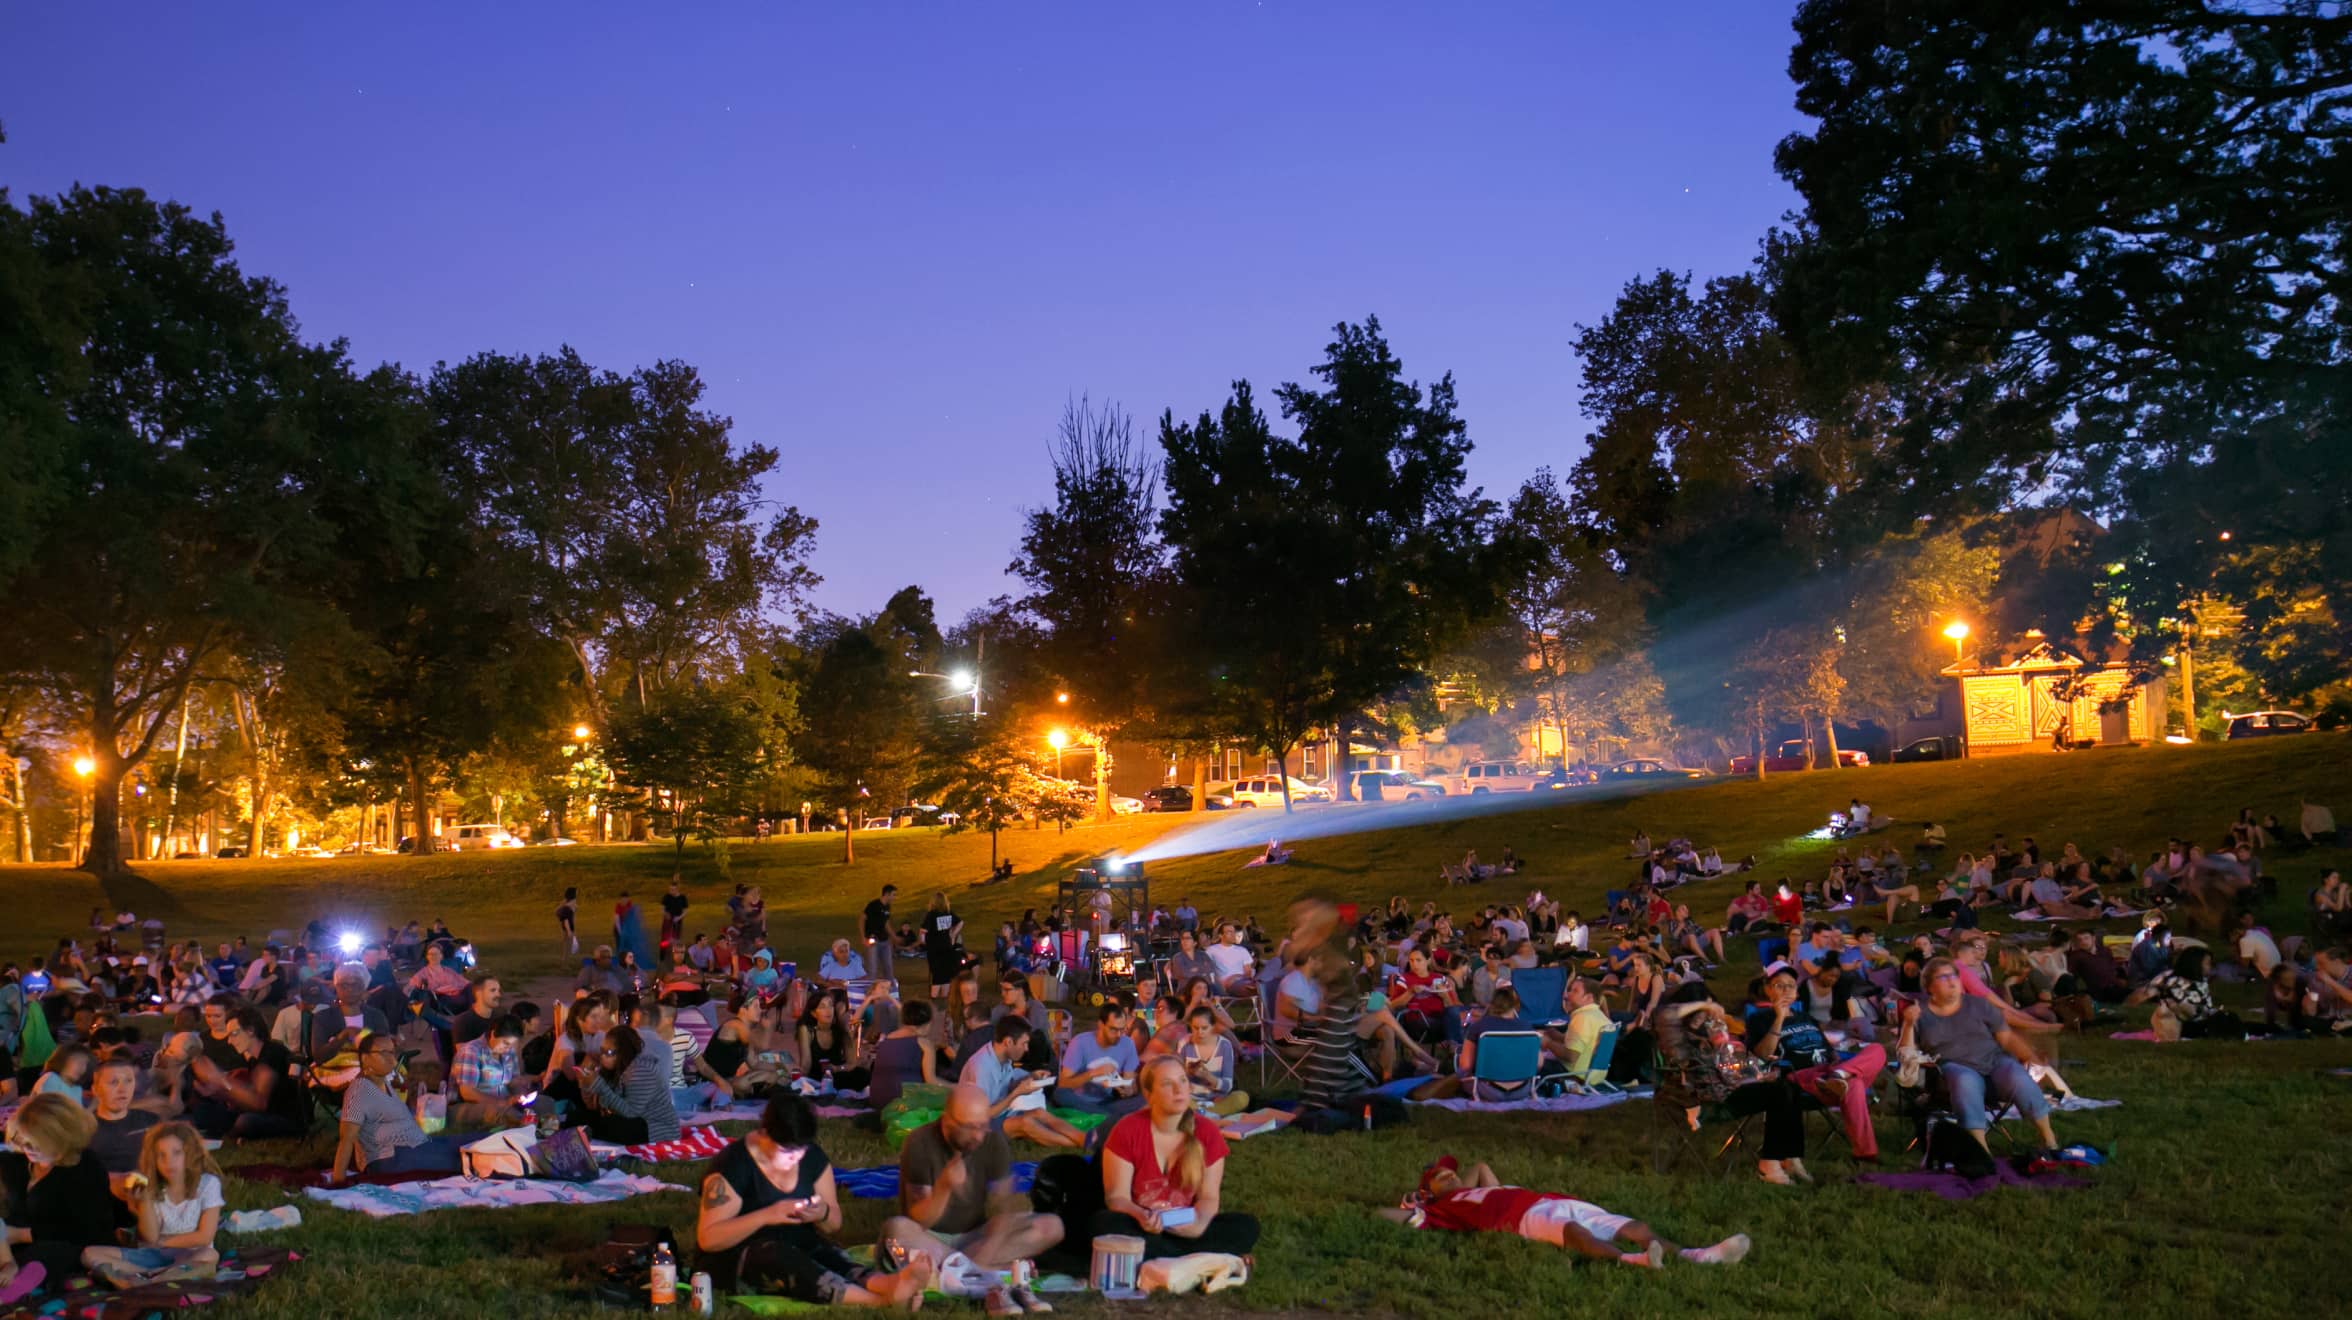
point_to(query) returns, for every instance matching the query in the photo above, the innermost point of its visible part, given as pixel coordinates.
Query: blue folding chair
(1595, 1076)
(1540, 990)
(1507, 1058)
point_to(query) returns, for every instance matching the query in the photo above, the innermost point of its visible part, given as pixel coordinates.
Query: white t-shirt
(1230, 960)
(173, 1218)
(2257, 947)
(1579, 939)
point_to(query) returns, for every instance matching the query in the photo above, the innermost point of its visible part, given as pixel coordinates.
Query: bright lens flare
(349, 941)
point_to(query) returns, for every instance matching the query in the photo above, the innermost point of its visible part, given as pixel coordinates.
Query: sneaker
(1000, 1303)
(1030, 1301)
(1730, 1251)
(1831, 1089)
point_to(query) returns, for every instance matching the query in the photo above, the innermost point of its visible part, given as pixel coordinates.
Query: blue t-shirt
(1084, 1049)
(1801, 1043)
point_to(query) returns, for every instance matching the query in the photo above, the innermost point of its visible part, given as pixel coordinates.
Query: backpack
(1950, 1148)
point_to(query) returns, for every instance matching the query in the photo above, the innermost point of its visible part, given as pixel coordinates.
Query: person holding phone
(768, 1201)
(1163, 1170)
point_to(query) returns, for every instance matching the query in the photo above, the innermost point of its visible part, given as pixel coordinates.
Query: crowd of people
(108, 1171)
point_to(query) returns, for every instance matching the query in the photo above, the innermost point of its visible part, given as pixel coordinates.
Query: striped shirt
(644, 1093)
(385, 1125)
(1327, 1077)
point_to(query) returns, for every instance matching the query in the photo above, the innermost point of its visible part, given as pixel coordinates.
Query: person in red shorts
(1450, 1200)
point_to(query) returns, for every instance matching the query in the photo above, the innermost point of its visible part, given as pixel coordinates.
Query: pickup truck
(1795, 754)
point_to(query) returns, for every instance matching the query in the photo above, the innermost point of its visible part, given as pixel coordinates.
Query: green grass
(2226, 1194)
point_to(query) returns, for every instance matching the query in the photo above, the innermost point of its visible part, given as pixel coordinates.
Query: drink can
(704, 1302)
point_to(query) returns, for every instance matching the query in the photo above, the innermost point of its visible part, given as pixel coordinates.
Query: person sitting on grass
(1747, 911)
(56, 1201)
(483, 1077)
(1209, 1057)
(121, 1128)
(1450, 1200)
(903, 1057)
(627, 1090)
(1976, 1050)
(1016, 1094)
(176, 1195)
(1684, 935)
(768, 1201)
(1163, 1170)
(1099, 1066)
(956, 1196)
(377, 1133)
(67, 1073)
(2187, 994)
(260, 1096)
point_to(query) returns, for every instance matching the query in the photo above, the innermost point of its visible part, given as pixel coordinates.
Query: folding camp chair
(1673, 1136)
(1595, 1076)
(1507, 1058)
(1930, 1099)
(1540, 990)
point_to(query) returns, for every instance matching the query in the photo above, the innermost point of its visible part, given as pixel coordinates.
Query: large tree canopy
(2100, 252)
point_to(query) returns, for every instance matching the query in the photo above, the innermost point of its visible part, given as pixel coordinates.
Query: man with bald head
(955, 1192)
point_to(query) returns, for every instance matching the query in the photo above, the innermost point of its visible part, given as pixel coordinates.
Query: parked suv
(1394, 786)
(2266, 724)
(1498, 777)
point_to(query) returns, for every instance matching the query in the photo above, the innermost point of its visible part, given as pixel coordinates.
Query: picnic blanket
(699, 1143)
(295, 1177)
(880, 1183)
(416, 1198)
(241, 1270)
(1953, 1187)
(735, 1113)
(1556, 1104)
(2076, 1103)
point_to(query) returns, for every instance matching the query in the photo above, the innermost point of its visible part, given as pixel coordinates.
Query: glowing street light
(1958, 632)
(84, 766)
(1061, 698)
(1057, 740)
(582, 733)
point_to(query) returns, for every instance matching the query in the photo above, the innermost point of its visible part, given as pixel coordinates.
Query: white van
(474, 838)
(1497, 777)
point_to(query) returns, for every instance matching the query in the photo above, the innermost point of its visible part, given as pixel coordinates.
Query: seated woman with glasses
(377, 1133)
(1975, 1049)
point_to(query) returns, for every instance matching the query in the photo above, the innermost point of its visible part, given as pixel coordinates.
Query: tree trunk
(1102, 777)
(1343, 778)
(1200, 783)
(848, 838)
(104, 857)
(992, 828)
(1759, 745)
(421, 807)
(261, 792)
(1829, 730)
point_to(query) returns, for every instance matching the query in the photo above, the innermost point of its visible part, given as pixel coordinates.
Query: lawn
(2226, 1194)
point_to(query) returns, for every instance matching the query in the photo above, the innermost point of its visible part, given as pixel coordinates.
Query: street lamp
(1958, 632)
(963, 681)
(82, 766)
(1057, 740)
(582, 733)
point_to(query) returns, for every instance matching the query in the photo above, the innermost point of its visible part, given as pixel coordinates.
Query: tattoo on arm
(716, 1192)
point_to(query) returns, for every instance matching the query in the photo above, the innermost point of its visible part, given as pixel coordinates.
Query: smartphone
(526, 1099)
(1178, 1217)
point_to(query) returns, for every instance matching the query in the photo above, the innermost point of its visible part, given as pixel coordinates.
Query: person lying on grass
(768, 1202)
(1450, 1200)
(176, 1195)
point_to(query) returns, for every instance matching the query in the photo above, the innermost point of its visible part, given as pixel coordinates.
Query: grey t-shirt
(1966, 1037)
(385, 1125)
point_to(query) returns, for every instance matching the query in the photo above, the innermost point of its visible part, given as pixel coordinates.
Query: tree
(1093, 565)
(2096, 250)
(862, 734)
(1329, 570)
(198, 453)
(694, 758)
(983, 771)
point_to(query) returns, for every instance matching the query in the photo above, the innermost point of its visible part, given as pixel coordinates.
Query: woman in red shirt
(1787, 908)
(1164, 1174)
(1420, 995)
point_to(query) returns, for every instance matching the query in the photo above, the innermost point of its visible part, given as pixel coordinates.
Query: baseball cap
(1445, 1163)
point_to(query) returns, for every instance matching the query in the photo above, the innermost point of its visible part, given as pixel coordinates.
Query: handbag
(508, 1154)
(566, 1156)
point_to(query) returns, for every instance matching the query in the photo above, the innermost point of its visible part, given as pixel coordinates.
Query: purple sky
(895, 237)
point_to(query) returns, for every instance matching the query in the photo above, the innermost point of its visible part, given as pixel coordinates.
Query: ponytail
(1191, 1160)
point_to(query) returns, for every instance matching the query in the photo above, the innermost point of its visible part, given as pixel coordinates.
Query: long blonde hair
(197, 1162)
(1191, 1164)
(56, 1126)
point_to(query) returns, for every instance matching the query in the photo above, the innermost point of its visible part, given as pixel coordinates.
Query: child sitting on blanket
(177, 1196)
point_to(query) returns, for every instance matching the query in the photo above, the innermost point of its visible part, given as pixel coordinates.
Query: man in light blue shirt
(1098, 1068)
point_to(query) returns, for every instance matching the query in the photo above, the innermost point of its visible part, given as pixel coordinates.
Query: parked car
(1499, 777)
(1648, 768)
(2265, 724)
(1266, 791)
(478, 838)
(1943, 748)
(1167, 797)
(1394, 786)
(232, 850)
(1795, 754)
(309, 850)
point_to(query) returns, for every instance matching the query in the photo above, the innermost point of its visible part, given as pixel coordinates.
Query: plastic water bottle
(664, 1276)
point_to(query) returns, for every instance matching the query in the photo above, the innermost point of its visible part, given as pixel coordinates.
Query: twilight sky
(895, 237)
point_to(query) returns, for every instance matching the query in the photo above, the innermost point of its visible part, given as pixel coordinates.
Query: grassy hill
(2226, 1194)
(1574, 844)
